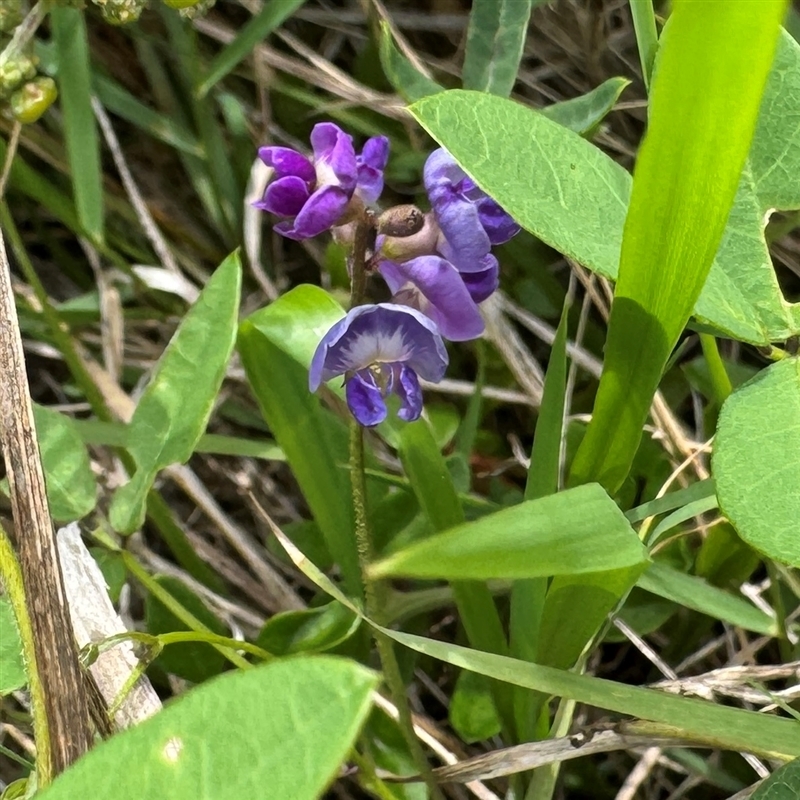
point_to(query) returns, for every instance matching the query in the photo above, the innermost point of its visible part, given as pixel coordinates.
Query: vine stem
(15, 591)
(374, 590)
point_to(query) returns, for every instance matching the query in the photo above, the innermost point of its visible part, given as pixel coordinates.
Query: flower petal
(448, 302)
(498, 224)
(481, 285)
(365, 400)
(284, 197)
(286, 161)
(321, 211)
(334, 157)
(375, 153)
(441, 171)
(370, 183)
(407, 388)
(380, 334)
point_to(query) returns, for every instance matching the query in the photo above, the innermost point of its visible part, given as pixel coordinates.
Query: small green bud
(198, 9)
(15, 72)
(33, 99)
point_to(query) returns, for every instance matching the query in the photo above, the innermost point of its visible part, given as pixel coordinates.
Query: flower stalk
(374, 593)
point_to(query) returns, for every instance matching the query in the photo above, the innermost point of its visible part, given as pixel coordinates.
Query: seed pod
(401, 221)
(33, 99)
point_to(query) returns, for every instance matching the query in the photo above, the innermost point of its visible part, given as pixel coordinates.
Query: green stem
(644, 24)
(720, 382)
(15, 590)
(374, 590)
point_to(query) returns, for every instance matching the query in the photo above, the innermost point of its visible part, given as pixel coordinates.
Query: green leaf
(12, 666)
(276, 345)
(286, 726)
(192, 661)
(580, 196)
(584, 113)
(706, 722)
(495, 38)
(80, 131)
(472, 713)
(783, 784)
(674, 225)
(756, 461)
(718, 726)
(71, 487)
(312, 630)
(695, 593)
(578, 531)
(272, 14)
(174, 409)
(406, 79)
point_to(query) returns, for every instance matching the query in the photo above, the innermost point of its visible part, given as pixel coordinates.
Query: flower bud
(15, 72)
(33, 99)
(417, 240)
(121, 12)
(401, 221)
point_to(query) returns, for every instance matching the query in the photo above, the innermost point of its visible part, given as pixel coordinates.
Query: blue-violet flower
(314, 195)
(380, 349)
(470, 221)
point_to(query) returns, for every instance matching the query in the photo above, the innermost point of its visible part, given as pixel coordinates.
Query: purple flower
(318, 193)
(470, 220)
(434, 286)
(380, 349)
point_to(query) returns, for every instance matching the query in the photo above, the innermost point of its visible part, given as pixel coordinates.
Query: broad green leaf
(174, 409)
(584, 113)
(756, 461)
(579, 196)
(80, 130)
(272, 14)
(578, 531)
(276, 345)
(718, 726)
(695, 593)
(283, 729)
(71, 487)
(312, 630)
(192, 661)
(495, 38)
(402, 74)
(783, 784)
(12, 667)
(714, 59)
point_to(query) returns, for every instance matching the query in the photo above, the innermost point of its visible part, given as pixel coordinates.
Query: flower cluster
(438, 265)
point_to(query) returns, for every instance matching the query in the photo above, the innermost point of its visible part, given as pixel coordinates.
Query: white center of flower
(376, 348)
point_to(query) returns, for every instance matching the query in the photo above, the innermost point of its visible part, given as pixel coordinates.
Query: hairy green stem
(11, 575)
(374, 590)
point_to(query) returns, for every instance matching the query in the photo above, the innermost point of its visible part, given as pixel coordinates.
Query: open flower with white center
(381, 349)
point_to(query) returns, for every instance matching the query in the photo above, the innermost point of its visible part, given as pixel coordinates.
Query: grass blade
(273, 14)
(714, 59)
(80, 129)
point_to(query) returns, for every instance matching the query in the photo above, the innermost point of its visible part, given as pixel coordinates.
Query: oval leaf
(275, 731)
(173, 411)
(783, 784)
(756, 461)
